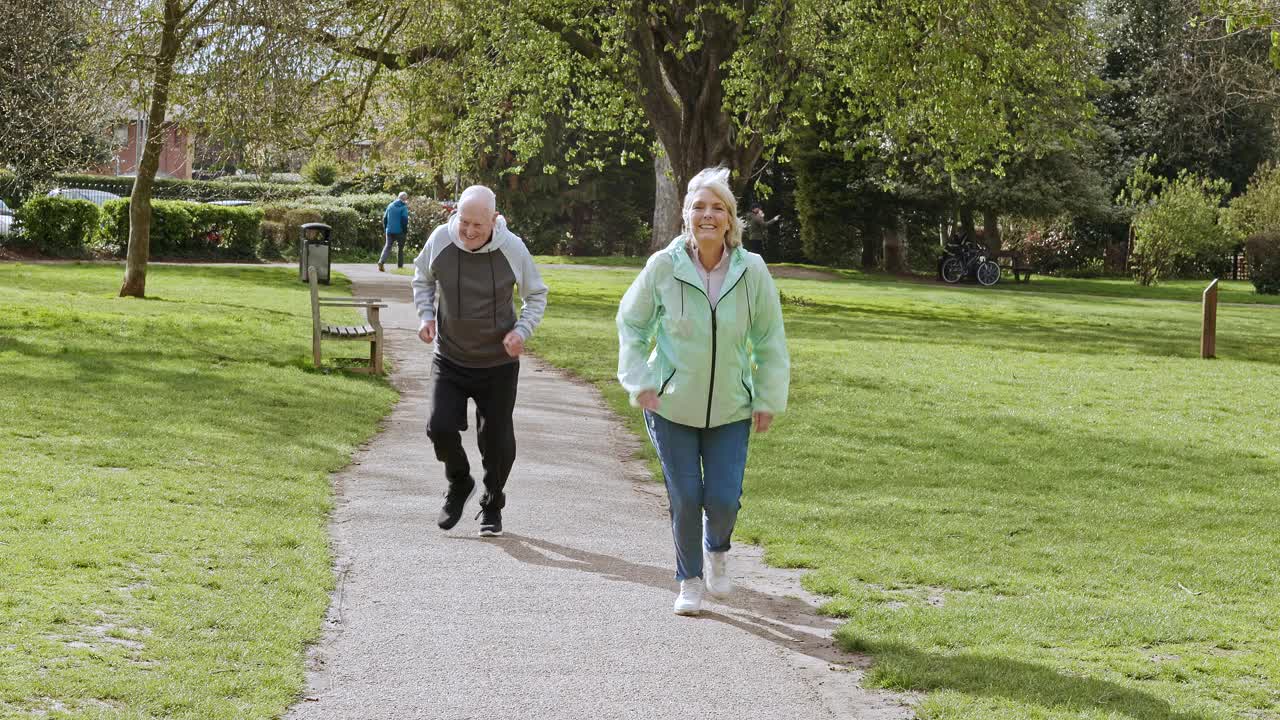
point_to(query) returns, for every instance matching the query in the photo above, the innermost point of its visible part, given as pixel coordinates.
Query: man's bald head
(477, 211)
(480, 196)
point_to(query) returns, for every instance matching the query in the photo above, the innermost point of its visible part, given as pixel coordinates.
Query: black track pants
(494, 392)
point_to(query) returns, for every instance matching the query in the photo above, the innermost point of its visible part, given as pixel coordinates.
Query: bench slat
(348, 332)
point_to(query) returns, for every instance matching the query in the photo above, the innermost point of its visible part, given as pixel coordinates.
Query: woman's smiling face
(708, 216)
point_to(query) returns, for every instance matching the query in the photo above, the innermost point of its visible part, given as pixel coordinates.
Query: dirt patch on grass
(799, 273)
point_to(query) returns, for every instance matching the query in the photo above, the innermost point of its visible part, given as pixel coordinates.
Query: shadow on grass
(900, 666)
(1150, 332)
(795, 626)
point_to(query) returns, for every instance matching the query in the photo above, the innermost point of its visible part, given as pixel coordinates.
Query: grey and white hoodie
(469, 294)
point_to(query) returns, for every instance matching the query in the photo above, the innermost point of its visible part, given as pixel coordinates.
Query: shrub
(171, 228)
(1180, 230)
(226, 232)
(414, 183)
(425, 214)
(1091, 268)
(366, 232)
(1264, 262)
(345, 224)
(56, 226)
(112, 233)
(320, 170)
(1257, 210)
(184, 229)
(833, 225)
(272, 240)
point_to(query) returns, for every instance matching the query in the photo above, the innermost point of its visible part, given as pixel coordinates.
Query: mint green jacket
(708, 367)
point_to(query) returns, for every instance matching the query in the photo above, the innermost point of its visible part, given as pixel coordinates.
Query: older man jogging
(463, 287)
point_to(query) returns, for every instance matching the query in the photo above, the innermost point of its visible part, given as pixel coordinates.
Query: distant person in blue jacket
(395, 223)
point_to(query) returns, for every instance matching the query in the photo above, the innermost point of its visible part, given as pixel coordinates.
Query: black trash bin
(313, 251)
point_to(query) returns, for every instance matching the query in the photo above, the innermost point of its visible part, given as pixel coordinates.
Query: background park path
(567, 616)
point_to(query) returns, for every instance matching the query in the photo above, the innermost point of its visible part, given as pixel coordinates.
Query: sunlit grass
(164, 490)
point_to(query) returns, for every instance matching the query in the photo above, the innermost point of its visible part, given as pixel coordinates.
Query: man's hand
(427, 333)
(762, 421)
(648, 399)
(514, 343)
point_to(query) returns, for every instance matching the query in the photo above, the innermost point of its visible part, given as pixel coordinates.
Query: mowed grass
(164, 490)
(1229, 291)
(1024, 505)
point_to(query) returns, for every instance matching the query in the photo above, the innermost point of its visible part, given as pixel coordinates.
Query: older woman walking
(710, 312)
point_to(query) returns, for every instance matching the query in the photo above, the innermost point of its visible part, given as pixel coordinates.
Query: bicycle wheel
(988, 273)
(952, 270)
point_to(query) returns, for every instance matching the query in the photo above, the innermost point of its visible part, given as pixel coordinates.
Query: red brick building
(176, 160)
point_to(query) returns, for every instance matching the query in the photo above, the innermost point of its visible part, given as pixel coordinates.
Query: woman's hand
(762, 421)
(648, 399)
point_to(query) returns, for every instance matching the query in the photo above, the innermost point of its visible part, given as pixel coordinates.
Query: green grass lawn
(164, 490)
(1025, 504)
(1229, 291)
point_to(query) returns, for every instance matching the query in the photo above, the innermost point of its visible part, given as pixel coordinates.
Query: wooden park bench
(371, 331)
(1015, 263)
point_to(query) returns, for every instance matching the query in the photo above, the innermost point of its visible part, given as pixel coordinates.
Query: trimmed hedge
(366, 232)
(56, 226)
(194, 190)
(185, 229)
(282, 227)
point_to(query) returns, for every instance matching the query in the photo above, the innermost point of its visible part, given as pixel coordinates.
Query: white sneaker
(689, 601)
(716, 565)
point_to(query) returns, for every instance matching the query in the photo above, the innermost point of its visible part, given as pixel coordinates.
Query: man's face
(475, 223)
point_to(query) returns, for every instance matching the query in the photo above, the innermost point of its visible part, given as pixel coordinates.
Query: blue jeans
(398, 240)
(703, 471)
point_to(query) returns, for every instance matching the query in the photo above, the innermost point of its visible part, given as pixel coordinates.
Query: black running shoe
(490, 521)
(454, 500)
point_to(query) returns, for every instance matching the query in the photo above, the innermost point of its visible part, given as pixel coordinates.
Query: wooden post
(315, 315)
(1209, 324)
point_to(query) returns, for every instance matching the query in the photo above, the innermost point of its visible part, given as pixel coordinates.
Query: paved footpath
(569, 614)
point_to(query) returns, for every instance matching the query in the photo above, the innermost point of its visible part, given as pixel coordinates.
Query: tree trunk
(135, 270)
(895, 247)
(967, 223)
(870, 248)
(683, 100)
(666, 204)
(991, 229)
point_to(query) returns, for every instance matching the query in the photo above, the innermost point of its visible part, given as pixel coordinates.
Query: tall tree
(721, 83)
(238, 68)
(1187, 89)
(47, 106)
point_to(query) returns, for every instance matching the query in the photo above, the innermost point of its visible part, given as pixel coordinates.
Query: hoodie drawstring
(493, 283)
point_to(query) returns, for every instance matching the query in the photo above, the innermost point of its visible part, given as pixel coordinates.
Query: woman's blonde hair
(716, 180)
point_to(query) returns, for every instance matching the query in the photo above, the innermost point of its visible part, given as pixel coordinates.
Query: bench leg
(315, 350)
(375, 354)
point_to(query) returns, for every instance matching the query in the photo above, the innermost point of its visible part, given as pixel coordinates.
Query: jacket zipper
(711, 387)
